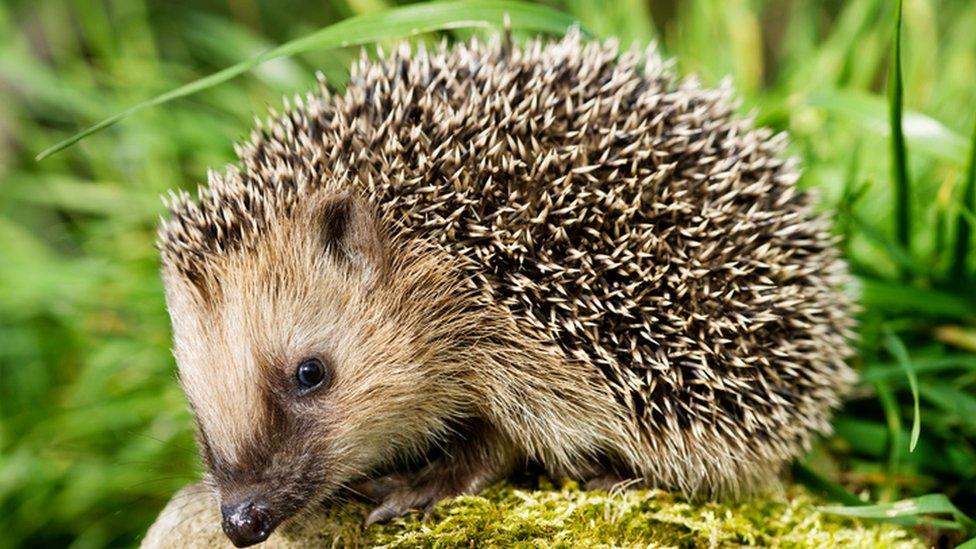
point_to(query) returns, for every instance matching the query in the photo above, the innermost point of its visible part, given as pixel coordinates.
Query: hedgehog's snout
(247, 522)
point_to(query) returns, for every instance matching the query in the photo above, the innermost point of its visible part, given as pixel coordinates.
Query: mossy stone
(565, 516)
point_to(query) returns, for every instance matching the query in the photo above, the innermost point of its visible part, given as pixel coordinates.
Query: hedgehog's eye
(311, 373)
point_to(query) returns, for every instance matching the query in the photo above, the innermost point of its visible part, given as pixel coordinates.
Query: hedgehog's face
(303, 372)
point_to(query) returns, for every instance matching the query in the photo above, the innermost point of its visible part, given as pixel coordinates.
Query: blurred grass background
(94, 432)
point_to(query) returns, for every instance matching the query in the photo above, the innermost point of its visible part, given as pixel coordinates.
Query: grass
(94, 435)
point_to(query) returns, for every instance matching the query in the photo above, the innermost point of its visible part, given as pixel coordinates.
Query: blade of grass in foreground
(893, 422)
(897, 349)
(913, 508)
(363, 29)
(899, 160)
(854, 507)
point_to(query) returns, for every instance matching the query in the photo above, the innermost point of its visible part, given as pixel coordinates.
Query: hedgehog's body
(583, 262)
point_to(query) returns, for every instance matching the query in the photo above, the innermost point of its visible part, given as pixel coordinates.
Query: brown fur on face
(336, 294)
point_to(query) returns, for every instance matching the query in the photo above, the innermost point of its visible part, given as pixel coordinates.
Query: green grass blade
(396, 23)
(971, 544)
(897, 349)
(889, 405)
(899, 153)
(929, 504)
(964, 227)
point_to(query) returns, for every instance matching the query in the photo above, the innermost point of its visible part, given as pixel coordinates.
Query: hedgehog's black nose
(247, 522)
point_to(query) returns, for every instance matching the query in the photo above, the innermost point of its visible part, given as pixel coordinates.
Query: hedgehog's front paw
(401, 494)
(467, 467)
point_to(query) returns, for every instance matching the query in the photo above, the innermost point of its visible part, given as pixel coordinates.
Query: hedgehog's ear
(352, 233)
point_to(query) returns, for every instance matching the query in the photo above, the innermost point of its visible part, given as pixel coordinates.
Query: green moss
(506, 516)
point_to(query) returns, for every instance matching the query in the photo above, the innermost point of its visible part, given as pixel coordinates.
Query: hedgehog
(489, 256)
